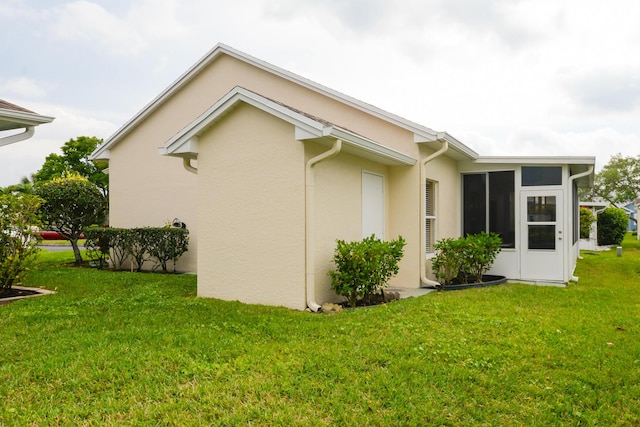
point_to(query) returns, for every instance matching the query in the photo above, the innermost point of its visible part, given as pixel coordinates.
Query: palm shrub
(18, 221)
(612, 226)
(363, 268)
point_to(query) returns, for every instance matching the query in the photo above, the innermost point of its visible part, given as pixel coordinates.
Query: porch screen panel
(501, 207)
(474, 203)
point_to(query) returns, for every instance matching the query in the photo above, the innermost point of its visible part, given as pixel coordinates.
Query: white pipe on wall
(310, 264)
(29, 131)
(424, 280)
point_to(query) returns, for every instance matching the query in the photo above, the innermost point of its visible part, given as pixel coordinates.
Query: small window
(541, 175)
(430, 216)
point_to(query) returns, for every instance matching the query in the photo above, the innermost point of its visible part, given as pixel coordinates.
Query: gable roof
(307, 127)
(13, 116)
(422, 134)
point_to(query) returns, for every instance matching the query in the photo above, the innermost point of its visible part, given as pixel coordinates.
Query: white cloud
(84, 21)
(22, 87)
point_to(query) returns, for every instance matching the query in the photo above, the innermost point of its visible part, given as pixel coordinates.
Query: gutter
(310, 292)
(29, 131)
(186, 162)
(424, 280)
(572, 178)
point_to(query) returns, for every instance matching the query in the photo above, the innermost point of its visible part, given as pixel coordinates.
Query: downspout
(310, 264)
(29, 131)
(186, 162)
(424, 281)
(571, 179)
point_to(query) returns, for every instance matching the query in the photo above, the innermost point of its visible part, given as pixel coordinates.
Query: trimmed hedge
(364, 268)
(612, 226)
(158, 245)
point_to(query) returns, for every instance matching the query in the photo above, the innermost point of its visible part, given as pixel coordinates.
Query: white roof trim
(538, 160)
(23, 118)
(185, 142)
(219, 49)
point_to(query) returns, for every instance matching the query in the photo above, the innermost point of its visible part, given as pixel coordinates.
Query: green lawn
(141, 349)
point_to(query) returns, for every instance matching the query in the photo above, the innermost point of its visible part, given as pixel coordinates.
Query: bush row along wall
(156, 245)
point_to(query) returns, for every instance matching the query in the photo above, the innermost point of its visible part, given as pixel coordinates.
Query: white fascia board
(538, 160)
(23, 118)
(454, 145)
(391, 156)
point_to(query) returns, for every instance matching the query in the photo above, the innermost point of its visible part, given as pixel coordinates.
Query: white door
(372, 205)
(542, 241)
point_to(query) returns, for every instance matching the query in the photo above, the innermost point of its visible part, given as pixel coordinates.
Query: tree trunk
(76, 251)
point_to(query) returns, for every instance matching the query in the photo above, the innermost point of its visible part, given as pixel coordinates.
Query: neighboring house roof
(422, 134)
(13, 117)
(307, 127)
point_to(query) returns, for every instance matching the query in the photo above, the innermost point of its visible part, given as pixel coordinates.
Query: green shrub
(448, 261)
(18, 219)
(479, 253)
(612, 226)
(167, 244)
(138, 245)
(587, 218)
(466, 259)
(364, 268)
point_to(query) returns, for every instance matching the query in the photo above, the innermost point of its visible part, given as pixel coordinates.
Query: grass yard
(141, 349)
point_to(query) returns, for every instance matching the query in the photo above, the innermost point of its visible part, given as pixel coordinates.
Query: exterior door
(542, 241)
(372, 205)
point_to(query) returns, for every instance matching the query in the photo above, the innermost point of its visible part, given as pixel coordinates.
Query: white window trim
(433, 186)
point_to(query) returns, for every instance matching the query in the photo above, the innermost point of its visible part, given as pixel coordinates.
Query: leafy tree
(72, 204)
(18, 219)
(612, 226)
(75, 158)
(619, 180)
(25, 187)
(587, 218)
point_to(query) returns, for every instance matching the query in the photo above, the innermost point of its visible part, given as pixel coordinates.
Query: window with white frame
(430, 216)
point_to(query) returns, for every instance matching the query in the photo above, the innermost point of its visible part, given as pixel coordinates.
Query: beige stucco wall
(147, 189)
(251, 211)
(338, 210)
(237, 153)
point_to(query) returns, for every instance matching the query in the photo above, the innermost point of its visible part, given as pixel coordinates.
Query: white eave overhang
(14, 119)
(11, 120)
(307, 128)
(457, 150)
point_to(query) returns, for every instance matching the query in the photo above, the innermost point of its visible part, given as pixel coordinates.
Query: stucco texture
(251, 211)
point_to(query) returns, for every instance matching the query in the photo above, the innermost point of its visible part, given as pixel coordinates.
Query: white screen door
(542, 240)
(372, 205)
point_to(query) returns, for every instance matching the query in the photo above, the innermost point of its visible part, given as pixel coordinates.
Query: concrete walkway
(410, 292)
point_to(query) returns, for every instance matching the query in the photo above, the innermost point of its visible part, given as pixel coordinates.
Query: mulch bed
(14, 294)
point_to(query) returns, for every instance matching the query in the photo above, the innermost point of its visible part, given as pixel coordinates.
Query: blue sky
(506, 77)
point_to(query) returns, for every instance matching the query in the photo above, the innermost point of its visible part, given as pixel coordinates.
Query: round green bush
(612, 226)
